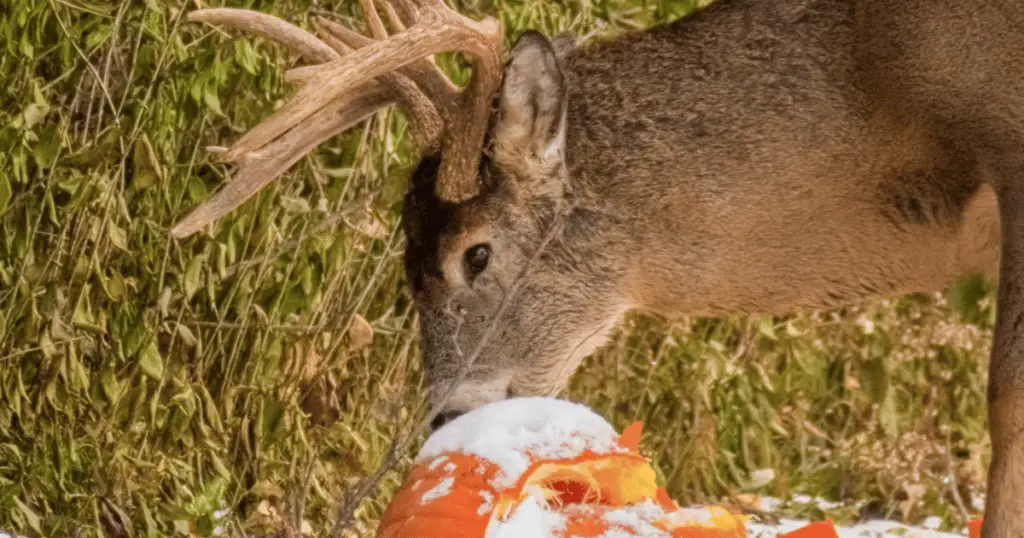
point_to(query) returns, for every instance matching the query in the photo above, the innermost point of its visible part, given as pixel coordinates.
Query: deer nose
(443, 418)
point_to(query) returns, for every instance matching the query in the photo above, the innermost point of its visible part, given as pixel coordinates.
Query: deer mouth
(471, 394)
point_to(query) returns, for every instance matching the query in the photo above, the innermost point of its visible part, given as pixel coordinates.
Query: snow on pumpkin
(541, 468)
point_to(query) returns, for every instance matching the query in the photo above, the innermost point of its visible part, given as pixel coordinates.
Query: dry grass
(245, 380)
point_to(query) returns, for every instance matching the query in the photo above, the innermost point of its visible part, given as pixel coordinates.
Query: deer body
(747, 169)
(759, 156)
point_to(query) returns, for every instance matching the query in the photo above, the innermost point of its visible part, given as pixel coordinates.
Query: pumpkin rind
(459, 495)
(449, 496)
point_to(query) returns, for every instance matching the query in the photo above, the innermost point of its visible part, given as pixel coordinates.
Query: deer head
(505, 306)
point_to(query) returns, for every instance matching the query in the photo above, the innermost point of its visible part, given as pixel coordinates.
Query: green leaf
(295, 205)
(151, 362)
(97, 36)
(6, 192)
(219, 467)
(117, 236)
(889, 416)
(147, 171)
(30, 516)
(108, 383)
(211, 98)
(82, 317)
(34, 114)
(246, 56)
(93, 154)
(197, 190)
(767, 328)
(193, 276)
(393, 188)
(964, 297)
(26, 48)
(152, 528)
(874, 379)
(45, 151)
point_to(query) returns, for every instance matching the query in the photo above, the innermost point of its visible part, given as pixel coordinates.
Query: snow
(822, 504)
(530, 519)
(637, 519)
(438, 491)
(867, 529)
(511, 432)
(487, 505)
(635, 516)
(437, 463)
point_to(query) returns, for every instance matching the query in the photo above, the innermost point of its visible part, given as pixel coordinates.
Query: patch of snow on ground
(822, 504)
(508, 432)
(867, 529)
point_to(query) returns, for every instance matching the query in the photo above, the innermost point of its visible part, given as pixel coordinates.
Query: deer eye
(477, 258)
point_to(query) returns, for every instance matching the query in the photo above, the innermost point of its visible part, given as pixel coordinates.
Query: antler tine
(269, 27)
(393, 17)
(407, 10)
(427, 122)
(334, 42)
(421, 107)
(373, 19)
(438, 30)
(258, 169)
(435, 83)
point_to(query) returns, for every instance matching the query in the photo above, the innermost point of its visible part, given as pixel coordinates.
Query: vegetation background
(243, 380)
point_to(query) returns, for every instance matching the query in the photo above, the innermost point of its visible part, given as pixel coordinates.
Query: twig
(954, 490)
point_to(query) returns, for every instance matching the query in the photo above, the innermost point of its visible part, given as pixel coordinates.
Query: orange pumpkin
(561, 482)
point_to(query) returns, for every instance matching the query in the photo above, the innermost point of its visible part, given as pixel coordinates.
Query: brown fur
(759, 156)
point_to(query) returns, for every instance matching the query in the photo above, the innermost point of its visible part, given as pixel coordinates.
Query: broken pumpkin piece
(571, 476)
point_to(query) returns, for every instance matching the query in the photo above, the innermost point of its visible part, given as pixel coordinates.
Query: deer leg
(1004, 510)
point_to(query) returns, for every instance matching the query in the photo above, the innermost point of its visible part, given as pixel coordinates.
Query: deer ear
(530, 127)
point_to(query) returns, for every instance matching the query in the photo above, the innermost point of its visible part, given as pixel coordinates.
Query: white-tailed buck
(758, 156)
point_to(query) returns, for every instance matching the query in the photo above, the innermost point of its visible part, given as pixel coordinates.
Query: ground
(247, 379)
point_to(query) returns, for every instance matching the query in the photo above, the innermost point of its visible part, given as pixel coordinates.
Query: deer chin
(472, 393)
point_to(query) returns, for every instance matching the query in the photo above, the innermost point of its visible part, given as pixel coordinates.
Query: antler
(355, 77)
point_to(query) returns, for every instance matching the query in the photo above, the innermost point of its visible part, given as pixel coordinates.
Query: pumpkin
(548, 468)
(541, 468)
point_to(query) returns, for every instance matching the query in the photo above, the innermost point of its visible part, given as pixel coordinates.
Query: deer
(752, 157)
